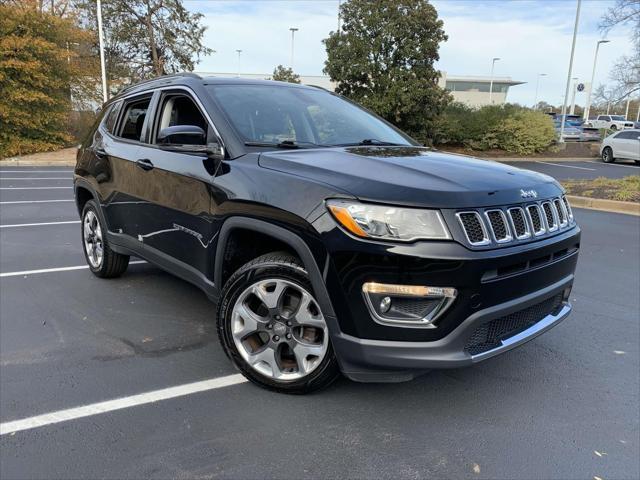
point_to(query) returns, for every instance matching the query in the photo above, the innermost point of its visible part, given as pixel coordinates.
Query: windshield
(617, 117)
(308, 117)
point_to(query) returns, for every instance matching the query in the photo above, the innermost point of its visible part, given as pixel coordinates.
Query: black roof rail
(161, 77)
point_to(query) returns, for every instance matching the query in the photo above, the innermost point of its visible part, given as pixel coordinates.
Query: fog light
(385, 304)
(407, 305)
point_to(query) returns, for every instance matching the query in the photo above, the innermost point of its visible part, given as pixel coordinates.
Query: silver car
(624, 144)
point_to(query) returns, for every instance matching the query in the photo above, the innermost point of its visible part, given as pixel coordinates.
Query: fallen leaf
(476, 468)
(147, 339)
(595, 477)
(600, 454)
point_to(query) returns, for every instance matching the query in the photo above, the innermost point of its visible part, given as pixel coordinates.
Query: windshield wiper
(284, 144)
(372, 141)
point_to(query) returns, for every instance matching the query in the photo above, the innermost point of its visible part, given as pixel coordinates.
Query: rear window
(133, 119)
(112, 117)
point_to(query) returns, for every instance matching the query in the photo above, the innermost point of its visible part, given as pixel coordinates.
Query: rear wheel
(607, 155)
(614, 127)
(102, 261)
(272, 328)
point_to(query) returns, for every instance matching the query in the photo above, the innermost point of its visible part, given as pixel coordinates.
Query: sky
(529, 36)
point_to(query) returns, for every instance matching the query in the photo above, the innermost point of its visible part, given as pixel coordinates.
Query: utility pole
(105, 93)
(493, 64)
(626, 112)
(566, 91)
(293, 31)
(239, 52)
(339, 5)
(573, 96)
(593, 75)
(535, 100)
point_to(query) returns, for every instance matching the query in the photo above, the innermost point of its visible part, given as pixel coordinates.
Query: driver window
(181, 110)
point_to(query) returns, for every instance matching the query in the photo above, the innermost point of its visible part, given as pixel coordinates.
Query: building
(470, 90)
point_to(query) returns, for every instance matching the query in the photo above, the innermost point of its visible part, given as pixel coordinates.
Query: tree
(38, 68)
(383, 58)
(626, 71)
(147, 38)
(284, 74)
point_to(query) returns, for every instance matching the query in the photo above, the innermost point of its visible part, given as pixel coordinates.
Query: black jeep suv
(330, 241)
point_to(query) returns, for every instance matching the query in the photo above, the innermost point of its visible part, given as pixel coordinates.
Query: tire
(103, 262)
(274, 342)
(614, 127)
(607, 155)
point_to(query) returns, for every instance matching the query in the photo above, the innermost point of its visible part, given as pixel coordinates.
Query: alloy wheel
(279, 329)
(92, 234)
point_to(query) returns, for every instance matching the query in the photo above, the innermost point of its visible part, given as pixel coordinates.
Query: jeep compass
(331, 242)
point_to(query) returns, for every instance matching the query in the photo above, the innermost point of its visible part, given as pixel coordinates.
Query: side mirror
(182, 135)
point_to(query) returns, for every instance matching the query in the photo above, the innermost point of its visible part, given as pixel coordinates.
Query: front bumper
(394, 361)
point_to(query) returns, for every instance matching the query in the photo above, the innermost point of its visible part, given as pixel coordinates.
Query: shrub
(524, 132)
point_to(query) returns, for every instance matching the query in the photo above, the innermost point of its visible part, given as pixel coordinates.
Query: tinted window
(112, 117)
(605, 118)
(133, 119)
(181, 110)
(617, 117)
(628, 135)
(271, 114)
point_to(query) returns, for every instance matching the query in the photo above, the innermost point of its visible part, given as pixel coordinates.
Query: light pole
(493, 64)
(535, 101)
(573, 96)
(566, 91)
(593, 75)
(105, 94)
(239, 52)
(626, 111)
(293, 32)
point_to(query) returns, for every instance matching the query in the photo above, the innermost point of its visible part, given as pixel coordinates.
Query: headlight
(389, 223)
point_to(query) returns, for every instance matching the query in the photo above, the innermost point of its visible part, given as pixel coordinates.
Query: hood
(414, 176)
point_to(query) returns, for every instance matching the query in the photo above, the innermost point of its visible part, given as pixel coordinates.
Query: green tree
(383, 58)
(284, 74)
(147, 38)
(39, 67)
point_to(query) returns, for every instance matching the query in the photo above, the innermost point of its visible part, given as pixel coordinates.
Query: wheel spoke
(304, 317)
(270, 299)
(266, 358)
(246, 321)
(303, 351)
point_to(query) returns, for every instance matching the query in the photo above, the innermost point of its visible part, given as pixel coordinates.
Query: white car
(613, 122)
(624, 144)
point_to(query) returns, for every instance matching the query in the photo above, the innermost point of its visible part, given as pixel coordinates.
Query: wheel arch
(293, 242)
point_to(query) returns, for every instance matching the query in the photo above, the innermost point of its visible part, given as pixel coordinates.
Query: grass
(626, 189)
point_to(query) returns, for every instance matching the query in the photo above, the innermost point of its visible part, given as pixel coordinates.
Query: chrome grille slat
(562, 214)
(499, 226)
(535, 216)
(550, 216)
(568, 208)
(473, 228)
(519, 223)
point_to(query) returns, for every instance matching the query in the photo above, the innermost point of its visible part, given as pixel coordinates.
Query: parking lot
(563, 406)
(585, 169)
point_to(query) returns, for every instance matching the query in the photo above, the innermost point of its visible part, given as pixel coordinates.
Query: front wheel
(607, 155)
(614, 127)
(272, 328)
(103, 261)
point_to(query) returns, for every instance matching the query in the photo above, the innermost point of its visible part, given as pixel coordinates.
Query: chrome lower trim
(540, 327)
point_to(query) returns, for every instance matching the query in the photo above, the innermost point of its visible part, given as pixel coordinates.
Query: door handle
(145, 164)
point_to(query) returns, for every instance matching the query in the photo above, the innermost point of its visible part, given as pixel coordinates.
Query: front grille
(560, 209)
(498, 224)
(504, 225)
(536, 219)
(520, 225)
(490, 335)
(473, 228)
(548, 214)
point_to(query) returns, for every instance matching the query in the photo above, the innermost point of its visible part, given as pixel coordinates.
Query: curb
(615, 206)
(36, 163)
(540, 159)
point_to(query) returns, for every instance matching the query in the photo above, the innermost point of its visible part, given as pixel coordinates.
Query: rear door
(627, 145)
(177, 224)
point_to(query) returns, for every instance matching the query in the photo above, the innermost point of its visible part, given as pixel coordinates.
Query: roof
(482, 79)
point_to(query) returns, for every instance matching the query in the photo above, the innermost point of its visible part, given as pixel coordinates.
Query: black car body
(500, 277)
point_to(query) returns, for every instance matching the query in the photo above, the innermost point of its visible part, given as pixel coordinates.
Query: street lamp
(593, 75)
(566, 90)
(103, 69)
(293, 31)
(493, 64)
(573, 96)
(239, 52)
(535, 101)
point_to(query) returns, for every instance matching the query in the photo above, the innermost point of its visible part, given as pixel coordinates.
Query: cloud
(529, 36)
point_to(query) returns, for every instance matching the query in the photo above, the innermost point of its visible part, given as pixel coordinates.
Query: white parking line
(36, 178)
(2, 170)
(34, 188)
(613, 164)
(52, 270)
(34, 201)
(17, 225)
(566, 166)
(119, 403)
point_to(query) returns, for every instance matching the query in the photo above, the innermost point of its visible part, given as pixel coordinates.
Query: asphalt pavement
(586, 169)
(564, 406)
